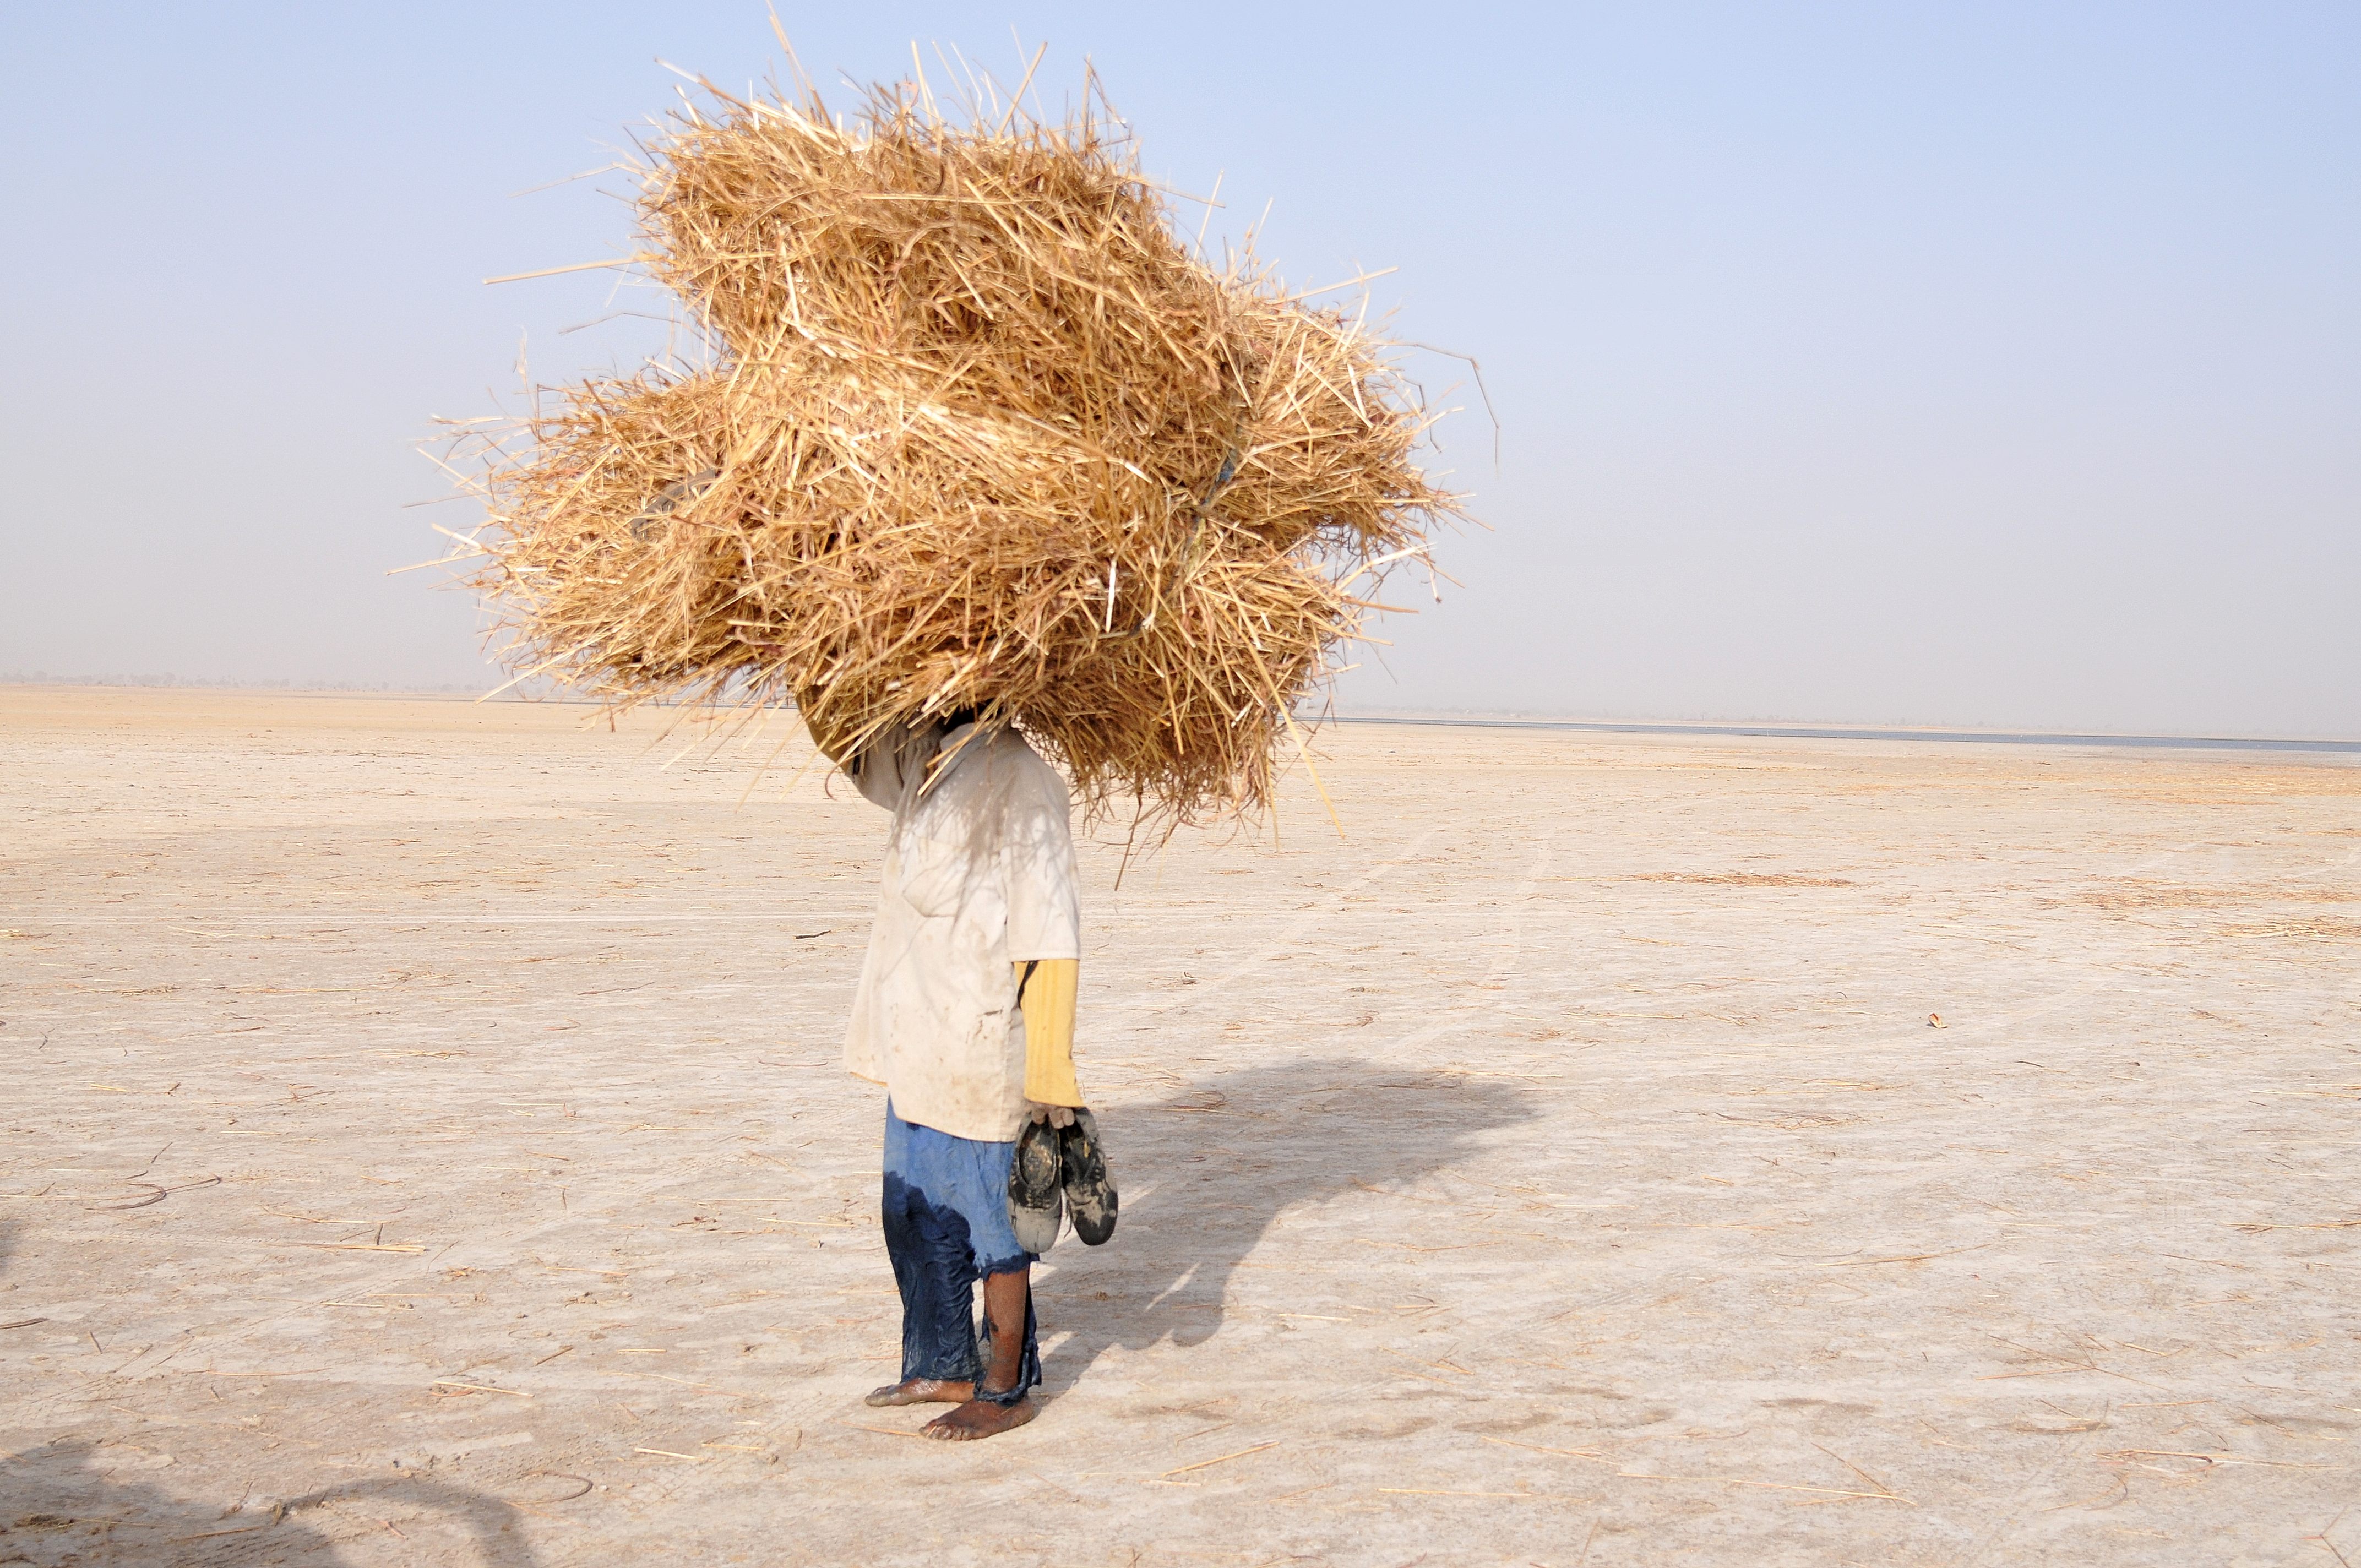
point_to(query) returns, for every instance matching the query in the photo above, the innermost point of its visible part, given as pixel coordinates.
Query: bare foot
(979, 1418)
(921, 1391)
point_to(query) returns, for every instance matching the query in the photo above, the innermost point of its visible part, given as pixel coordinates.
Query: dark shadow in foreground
(1216, 1164)
(57, 1508)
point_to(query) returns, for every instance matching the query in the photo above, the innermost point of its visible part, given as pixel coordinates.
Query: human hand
(1056, 1116)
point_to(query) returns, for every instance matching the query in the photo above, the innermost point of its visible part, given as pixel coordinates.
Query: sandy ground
(422, 1143)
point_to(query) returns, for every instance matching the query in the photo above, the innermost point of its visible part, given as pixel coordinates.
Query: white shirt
(979, 875)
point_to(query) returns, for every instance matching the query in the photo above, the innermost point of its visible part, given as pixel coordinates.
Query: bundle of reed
(981, 432)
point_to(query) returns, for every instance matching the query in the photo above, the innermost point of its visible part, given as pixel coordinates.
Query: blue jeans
(946, 1212)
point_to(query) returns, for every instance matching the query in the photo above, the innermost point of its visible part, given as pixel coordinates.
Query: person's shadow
(1216, 1164)
(75, 1500)
(61, 1503)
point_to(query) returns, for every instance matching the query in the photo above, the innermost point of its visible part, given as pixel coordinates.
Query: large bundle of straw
(981, 432)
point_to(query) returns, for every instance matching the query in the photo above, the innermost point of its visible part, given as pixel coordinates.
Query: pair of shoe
(1060, 1168)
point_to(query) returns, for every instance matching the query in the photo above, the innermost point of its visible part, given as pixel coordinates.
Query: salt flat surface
(421, 1142)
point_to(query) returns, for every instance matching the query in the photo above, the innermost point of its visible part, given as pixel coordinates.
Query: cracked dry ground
(422, 1145)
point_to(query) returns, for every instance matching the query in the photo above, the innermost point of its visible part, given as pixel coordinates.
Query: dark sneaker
(1033, 1188)
(1089, 1190)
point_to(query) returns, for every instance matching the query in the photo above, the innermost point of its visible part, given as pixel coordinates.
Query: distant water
(1968, 736)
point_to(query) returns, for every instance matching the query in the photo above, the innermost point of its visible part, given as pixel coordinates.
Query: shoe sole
(1034, 1193)
(1091, 1200)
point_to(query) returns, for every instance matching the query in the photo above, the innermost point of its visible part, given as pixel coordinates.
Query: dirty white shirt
(979, 875)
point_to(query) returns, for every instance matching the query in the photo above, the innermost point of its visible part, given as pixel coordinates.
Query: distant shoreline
(1866, 732)
(1757, 730)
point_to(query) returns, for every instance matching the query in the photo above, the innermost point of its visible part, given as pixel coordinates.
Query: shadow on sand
(64, 1503)
(1213, 1168)
(74, 1500)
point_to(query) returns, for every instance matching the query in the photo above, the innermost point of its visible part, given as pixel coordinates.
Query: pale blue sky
(1991, 364)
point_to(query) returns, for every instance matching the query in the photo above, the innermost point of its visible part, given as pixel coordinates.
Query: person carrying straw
(986, 442)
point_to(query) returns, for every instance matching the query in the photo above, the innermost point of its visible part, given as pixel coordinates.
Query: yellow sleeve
(1048, 1006)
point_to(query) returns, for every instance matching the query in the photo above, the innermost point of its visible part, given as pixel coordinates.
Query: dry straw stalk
(981, 432)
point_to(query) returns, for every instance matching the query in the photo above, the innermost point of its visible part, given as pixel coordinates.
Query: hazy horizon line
(1362, 712)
